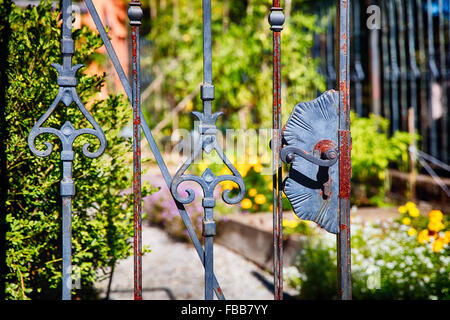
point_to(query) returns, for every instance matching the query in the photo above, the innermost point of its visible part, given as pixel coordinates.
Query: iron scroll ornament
(67, 133)
(208, 181)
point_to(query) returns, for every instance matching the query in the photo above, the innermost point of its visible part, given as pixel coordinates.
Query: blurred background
(400, 76)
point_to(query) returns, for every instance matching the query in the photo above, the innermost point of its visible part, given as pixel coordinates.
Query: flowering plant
(434, 228)
(387, 263)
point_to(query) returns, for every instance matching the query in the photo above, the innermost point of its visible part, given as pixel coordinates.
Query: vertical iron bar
(394, 66)
(423, 105)
(276, 20)
(374, 59)
(135, 15)
(331, 70)
(443, 82)
(403, 67)
(359, 74)
(445, 124)
(343, 73)
(434, 74)
(67, 168)
(68, 95)
(387, 74)
(414, 73)
(207, 111)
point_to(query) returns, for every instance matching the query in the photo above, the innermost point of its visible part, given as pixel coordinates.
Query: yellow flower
(438, 244)
(435, 215)
(410, 205)
(423, 236)
(406, 221)
(228, 185)
(260, 199)
(190, 105)
(258, 167)
(412, 232)
(290, 223)
(435, 225)
(246, 203)
(271, 208)
(252, 192)
(414, 212)
(402, 209)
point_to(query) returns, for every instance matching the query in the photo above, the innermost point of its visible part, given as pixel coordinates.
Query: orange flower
(423, 236)
(435, 225)
(438, 244)
(435, 215)
(260, 199)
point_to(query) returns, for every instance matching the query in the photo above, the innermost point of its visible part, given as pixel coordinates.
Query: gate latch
(310, 146)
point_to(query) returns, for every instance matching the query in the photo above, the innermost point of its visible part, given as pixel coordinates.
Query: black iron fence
(400, 60)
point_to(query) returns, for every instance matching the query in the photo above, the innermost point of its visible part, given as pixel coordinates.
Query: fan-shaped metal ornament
(311, 143)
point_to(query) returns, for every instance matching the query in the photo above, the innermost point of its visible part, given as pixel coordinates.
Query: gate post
(345, 168)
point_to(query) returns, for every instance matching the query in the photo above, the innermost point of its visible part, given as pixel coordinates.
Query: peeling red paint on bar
(345, 166)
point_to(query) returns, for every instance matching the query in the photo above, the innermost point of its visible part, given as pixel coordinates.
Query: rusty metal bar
(343, 75)
(276, 20)
(135, 15)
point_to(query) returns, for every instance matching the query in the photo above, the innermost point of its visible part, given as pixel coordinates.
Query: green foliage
(372, 152)
(102, 214)
(242, 61)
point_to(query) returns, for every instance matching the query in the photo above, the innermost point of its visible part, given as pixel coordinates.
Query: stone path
(173, 271)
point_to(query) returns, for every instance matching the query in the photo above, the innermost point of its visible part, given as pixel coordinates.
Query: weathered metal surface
(312, 185)
(207, 143)
(68, 95)
(276, 21)
(343, 237)
(135, 15)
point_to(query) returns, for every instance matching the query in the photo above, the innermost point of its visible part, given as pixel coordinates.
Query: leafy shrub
(373, 151)
(102, 217)
(242, 60)
(388, 262)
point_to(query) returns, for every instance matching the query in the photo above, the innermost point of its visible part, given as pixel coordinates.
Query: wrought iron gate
(336, 151)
